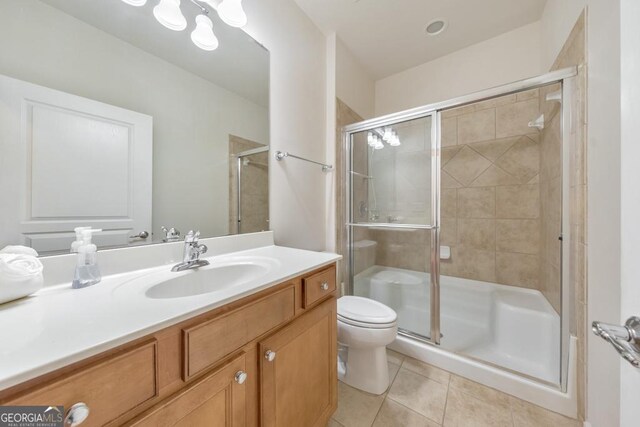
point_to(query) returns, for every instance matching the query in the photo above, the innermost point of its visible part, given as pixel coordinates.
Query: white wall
(298, 123)
(332, 150)
(603, 215)
(509, 57)
(192, 116)
(630, 209)
(354, 86)
(558, 19)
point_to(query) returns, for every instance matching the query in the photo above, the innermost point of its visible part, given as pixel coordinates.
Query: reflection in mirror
(109, 120)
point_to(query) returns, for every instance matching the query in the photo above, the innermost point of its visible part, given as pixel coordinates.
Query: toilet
(365, 328)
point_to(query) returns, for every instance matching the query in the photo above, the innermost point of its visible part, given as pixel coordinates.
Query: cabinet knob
(241, 377)
(77, 414)
(270, 355)
(324, 286)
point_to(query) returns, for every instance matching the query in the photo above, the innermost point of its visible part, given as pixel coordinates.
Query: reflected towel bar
(280, 155)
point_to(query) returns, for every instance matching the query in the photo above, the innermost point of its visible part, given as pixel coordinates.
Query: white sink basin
(220, 275)
(207, 279)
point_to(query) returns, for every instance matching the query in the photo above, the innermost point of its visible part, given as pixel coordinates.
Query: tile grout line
(446, 401)
(412, 410)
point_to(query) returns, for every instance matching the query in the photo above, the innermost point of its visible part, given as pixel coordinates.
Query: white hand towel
(20, 275)
(17, 249)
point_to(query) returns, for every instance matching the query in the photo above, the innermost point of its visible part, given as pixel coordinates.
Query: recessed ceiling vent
(436, 27)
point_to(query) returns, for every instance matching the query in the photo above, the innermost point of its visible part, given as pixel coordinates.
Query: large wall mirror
(110, 120)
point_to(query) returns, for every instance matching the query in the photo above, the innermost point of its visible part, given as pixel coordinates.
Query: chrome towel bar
(280, 155)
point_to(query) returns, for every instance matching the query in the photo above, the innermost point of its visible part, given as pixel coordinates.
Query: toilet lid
(365, 310)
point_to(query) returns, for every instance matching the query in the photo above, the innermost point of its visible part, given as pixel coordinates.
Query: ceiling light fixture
(168, 13)
(136, 3)
(203, 36)
(435, 27)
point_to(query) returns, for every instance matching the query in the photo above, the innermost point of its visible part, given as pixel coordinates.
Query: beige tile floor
(423, 395)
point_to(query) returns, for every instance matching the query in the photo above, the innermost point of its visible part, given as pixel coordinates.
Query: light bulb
(203, 36)
(387, 135)
(394, 141)
(230, 11)
(370, 139)
(168, 13)
(136, 3)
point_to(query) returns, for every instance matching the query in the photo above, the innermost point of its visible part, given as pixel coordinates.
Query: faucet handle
(192, 237)
(170, 234)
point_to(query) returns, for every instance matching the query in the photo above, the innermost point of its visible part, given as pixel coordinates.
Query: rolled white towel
(17, 249)
(18, 266)
(20, 275)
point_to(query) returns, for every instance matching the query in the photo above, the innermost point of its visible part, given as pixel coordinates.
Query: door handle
(625, 339)
(140, 235)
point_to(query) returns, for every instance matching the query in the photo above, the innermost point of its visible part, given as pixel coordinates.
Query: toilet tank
(364, 255)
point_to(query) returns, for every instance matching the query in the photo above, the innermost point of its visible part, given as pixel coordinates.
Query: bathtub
(502, 336)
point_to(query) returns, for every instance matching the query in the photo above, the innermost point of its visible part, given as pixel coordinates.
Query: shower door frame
(563, 76)
(239, 159)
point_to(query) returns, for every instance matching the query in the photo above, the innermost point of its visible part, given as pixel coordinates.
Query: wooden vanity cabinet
(217, 400)
(298, 374)
(268, 359)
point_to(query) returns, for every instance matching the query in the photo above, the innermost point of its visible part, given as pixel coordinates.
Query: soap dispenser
(87, 271)
(78, 242)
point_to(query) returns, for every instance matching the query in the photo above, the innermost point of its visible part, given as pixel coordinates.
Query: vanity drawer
(319, 285)
(109, 388)
(207, 343)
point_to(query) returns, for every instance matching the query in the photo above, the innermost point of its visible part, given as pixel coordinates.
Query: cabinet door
(298, 371)
(217, 400)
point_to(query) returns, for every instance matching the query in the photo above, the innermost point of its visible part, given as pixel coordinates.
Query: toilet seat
(365, 313)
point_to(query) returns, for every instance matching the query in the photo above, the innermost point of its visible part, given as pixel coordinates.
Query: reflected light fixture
(203, 36)
(387, 134)
(394, 141)
(136, 3)
(371, 139)
(231, 12)
(168, 13)
(378, 137)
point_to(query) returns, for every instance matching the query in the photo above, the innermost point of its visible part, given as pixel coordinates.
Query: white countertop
(59, 325)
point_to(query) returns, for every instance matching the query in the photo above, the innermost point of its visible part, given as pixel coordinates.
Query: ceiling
(388, 36)
(239, 64)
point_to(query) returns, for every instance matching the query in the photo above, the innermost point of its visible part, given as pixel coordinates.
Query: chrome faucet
(192, 251)
(170, 235)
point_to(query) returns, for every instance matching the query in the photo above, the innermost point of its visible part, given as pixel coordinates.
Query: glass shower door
(392, 220)
(249, 191)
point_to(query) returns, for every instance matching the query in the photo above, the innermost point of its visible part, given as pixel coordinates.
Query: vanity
(261, 351)
(138, 134)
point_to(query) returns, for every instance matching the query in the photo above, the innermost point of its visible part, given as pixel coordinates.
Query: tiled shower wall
(255, 187)
(490, 204)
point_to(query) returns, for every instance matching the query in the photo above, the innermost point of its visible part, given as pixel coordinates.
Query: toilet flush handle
(270, 355)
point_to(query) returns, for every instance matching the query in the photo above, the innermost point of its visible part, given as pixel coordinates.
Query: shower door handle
(625, 339)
